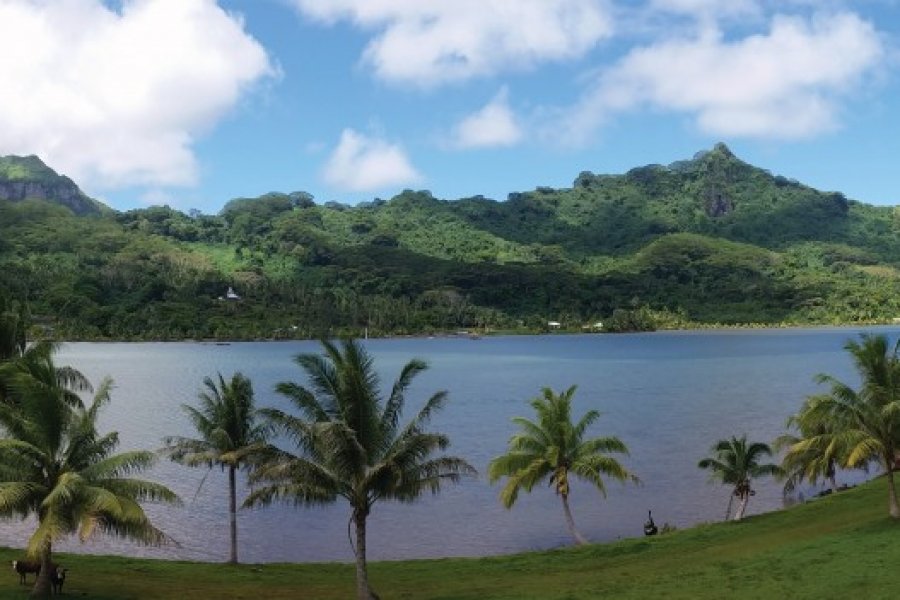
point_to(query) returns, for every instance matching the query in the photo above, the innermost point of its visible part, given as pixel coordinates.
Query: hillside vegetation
(711, 240)
(837, 547)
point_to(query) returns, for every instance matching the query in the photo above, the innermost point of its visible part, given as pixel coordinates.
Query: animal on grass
(58, 579)
(24, 567)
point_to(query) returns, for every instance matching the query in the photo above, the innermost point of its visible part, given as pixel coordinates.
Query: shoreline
(476, 335)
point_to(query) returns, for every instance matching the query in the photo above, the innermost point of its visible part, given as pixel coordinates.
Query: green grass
(843, 546)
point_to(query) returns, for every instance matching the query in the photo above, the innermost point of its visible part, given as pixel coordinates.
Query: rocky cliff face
(27, 177)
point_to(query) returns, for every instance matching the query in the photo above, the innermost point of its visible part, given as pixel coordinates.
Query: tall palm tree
(229, 436)
(554, 447)
(864, 423)
(56, 466)
(350, 443)
(737, 463)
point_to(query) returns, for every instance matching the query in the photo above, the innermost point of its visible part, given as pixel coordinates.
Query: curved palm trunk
(893, 507)
(363, 591)
(579, 539)
(42, 587)
(232, 513)
(745, 498)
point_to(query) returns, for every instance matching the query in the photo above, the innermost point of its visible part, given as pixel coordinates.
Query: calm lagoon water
(667, 395)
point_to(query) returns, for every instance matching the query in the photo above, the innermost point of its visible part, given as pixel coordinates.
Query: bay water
(668, 395)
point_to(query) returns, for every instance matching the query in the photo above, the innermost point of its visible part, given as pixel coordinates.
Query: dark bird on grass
(650, 526)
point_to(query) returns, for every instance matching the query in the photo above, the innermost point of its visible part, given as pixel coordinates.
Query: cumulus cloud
(493, 125)
(362, 163)
(117, 97)
(785, 83)
(432, 42)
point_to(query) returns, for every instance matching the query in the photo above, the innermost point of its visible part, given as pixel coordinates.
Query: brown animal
(24, 567)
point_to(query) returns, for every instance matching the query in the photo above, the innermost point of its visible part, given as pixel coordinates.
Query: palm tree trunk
(893, 507)
(728, 509)
(745, 498)
(232, 513)
(579, 539)
(42, 587)
(363, 592)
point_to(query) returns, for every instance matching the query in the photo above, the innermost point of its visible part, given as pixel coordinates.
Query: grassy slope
(838, 547)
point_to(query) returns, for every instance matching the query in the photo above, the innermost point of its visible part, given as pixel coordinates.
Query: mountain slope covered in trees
(702, 241)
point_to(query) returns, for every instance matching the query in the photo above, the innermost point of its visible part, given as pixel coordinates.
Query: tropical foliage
(555, 448)
(736, 462)
(811, 450)
(350, 442)
(864, 424)
(705, 241)
(229, 436)
(56, 466)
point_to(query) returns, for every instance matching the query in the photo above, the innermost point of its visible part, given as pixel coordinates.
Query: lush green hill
(837, 547)
(703, 241)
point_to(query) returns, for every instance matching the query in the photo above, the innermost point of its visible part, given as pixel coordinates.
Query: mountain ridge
(704, 241)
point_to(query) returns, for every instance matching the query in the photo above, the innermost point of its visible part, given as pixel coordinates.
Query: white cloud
(493, 125)
(115, 98)
(362, 164)
(432, 42)
(786, 83)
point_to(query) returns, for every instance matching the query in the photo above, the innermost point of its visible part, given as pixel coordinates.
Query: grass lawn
(842, 546)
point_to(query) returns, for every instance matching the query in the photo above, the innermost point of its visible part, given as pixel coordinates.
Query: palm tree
(56, 466)
(229, 436)
(737, 463)
(554, 447)
(864, 423)
(351, 445)
(809, 455)
(18, 355)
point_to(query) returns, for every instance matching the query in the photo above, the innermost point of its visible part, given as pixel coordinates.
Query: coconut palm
(555, 448)
(18, 355)
(350, 443)
(55, 466)
(809, 456)
(229, 435)
(864, 423)
(737, 463)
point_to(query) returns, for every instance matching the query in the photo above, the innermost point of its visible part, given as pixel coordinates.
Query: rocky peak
(27, 177)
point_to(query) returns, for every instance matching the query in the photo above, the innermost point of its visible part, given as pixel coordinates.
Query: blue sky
(193, 102)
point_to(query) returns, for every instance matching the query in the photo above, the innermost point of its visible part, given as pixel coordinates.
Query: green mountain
(702, 241)
(27, 177)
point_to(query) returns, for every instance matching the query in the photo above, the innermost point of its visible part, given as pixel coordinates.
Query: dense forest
(711, 240)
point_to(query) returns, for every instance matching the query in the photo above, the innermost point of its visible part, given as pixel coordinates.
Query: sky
(193, 102)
